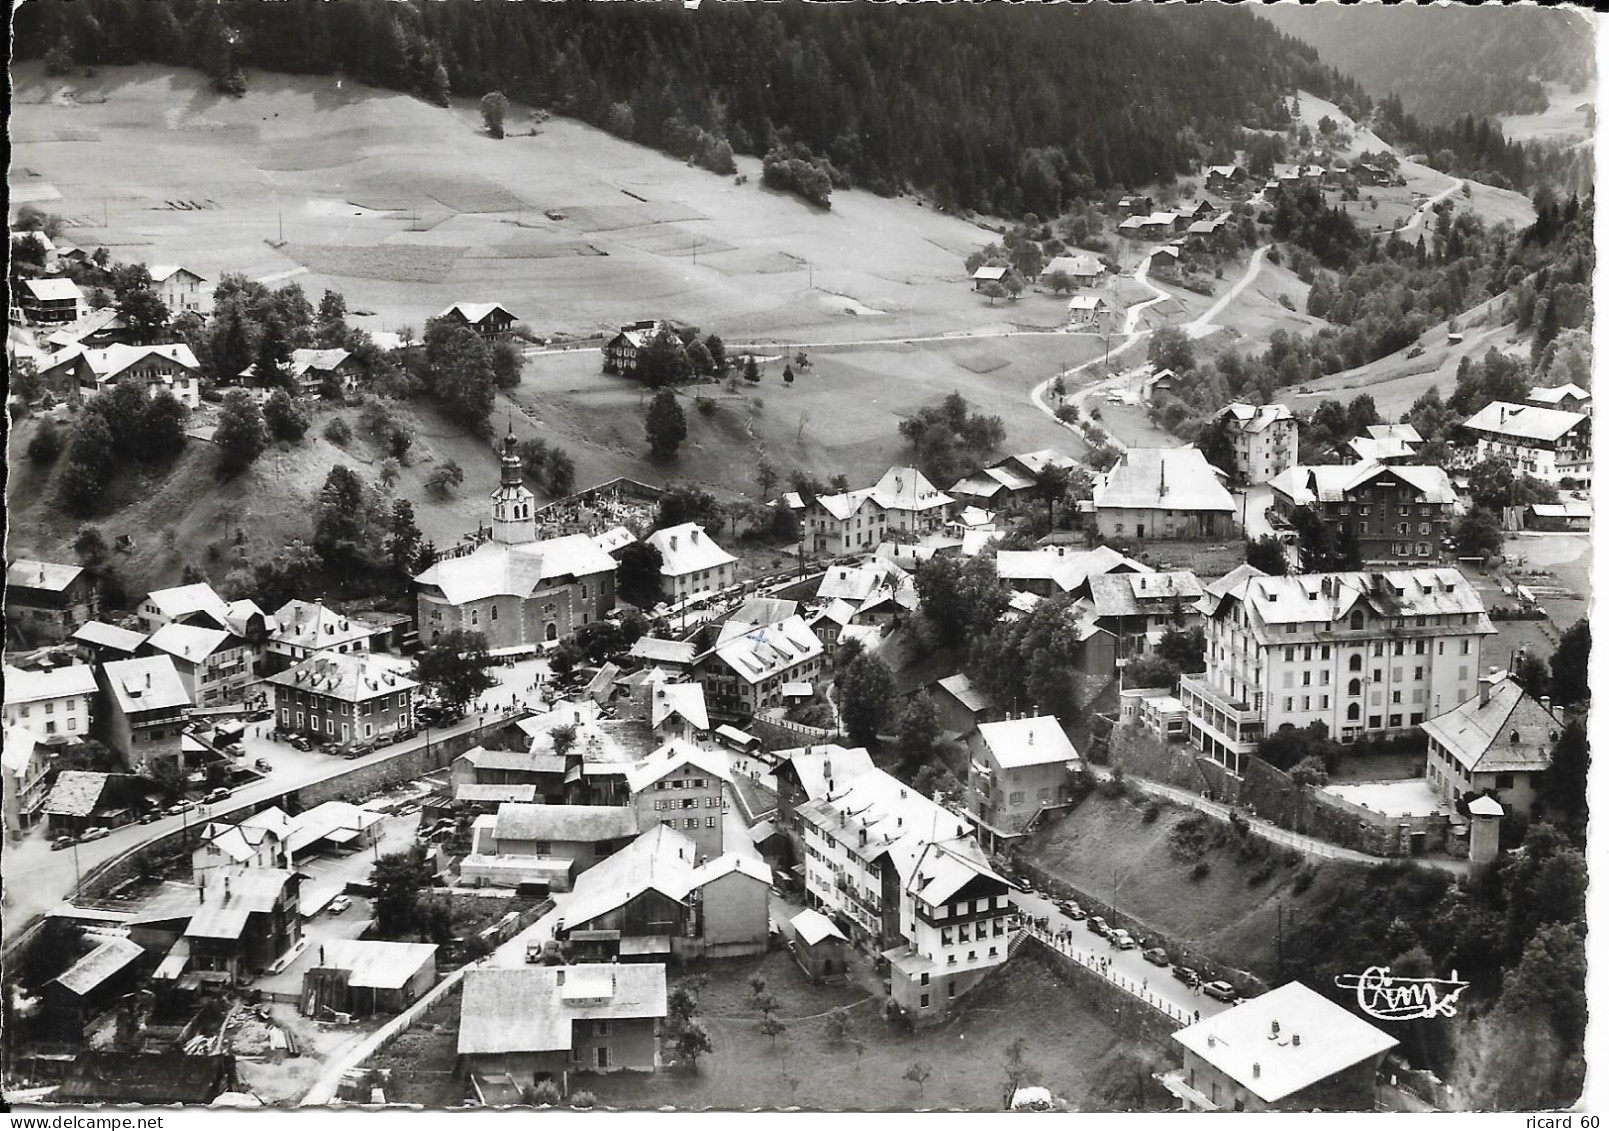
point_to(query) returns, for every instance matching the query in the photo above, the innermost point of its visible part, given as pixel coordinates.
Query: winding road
(1202, 326)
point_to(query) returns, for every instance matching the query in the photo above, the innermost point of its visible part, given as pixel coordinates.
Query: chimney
(1486, 682)
(1296, 1040)
(147, 681)
(559, 976)
(693, 535)
(673, 541)
(1256, 1070)
(1162, 484)
(1273, 1030)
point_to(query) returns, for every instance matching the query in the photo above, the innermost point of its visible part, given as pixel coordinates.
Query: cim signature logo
(1386, 998)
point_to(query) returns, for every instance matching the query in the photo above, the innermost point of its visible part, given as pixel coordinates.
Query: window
(1307, 679)
(709, 822)
(1374, 722)
(1396, 649)
(1352, 712)
(1505, 781)
(1419, 673)
(924, 982)
(1287, 703)
(1307, 702)
(1290, 655)
(1463, 647)
(1396, 720)
(1324, 702)
(1354, 687)
(1355, 664)
(1396, 697)
(924, 996)
(692, 822)
(601, 1028)
(603, 1056)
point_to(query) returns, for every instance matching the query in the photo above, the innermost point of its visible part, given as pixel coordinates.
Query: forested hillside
(995, 108)
(1448, 61)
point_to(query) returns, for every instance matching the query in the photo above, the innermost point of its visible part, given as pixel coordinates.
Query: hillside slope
(1448, 60)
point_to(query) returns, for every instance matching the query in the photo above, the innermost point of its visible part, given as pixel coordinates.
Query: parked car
(339, 904)
(301, 743)
(1072, 910)
(63, 842)
(96, 833)
(150, 815)
(263, 765)
(259, 716)
(1186, 975)
(220, 794)
(1122, 939)
(1156, 956)
(180, 807)
(1222, 991)
(1098, 925)
(359, 749)
(235, 750)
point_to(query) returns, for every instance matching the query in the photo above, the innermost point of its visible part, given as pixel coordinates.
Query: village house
(1140, 608)
(95, 329)
(1090, 311)
(214, 663)
(55, 705)
(691, 563)
(79, 800)
(141, 715)
(514, 589)
(818, 946)
(677, 711)
(1018, 768)
(960, 706)
(1396, 514)
(303, 629)
(1136, 205)
(345, 697)
(1263, 439)
(989, 273)
(685, 787)
(1572, 514)
(244, 920)
(78, 374)
(50, 302)
(538, 771)
(575, 837)
(1548, 444)
(1052, 570)
(1083, 270)
(180, 603)
(852, 837)
(522, 1025)
(746, 674)
(1163, 381)
(98, 642)
(1566, 398)
(1368, 654)
(991, 487)
(1290, 1049)
(311, 369)
(809, 774)
(620, 352)
(673, 656)
(955, 925)
(1163, 493)
(488, 319)
(1226, 179)
(1499, 743)
(224, 846)
(181, 289)
(912, 507)
(659, 897)
(363, 977)
(52, 254)
(94, 984)
(48, 601)
(24, 779)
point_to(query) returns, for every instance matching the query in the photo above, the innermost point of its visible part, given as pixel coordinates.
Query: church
(513, 588)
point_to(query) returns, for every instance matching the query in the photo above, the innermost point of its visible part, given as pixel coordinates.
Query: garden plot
(667, 239)
(403, 263)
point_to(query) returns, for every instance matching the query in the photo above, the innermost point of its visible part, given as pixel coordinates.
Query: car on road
(1070, 909)
(1186, 975)
(339, 904)
(1098, 925)
(96, 833)
(1156, 956)
(1221, 991)
(1122, 939)
(301, 744)
(150, 815)
(63, 842)
(235, 750)
(180, 807)
(359, 749)
(263, 765)
(220, 794)
(259, 716)
(1020, 882)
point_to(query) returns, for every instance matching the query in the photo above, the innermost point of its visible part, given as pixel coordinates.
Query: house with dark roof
(488, 319)
(1391, 514)
(525, 1024)
(620, 352)
(1138, 609)
(94, 982)
(146, 1078)
(48, 601)
(1499, 743)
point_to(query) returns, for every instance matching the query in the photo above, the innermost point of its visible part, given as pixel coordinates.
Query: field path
(1424, 209)
(1203, 326)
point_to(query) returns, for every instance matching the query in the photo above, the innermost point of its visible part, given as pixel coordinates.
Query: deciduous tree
(666, 425)
(241, 435)
(456, 665)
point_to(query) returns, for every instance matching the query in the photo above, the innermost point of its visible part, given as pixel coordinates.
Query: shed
(818, 945)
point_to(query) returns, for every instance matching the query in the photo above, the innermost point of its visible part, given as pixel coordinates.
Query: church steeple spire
(513, 505)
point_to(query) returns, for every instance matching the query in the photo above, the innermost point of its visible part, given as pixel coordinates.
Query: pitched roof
(822, 768)
(475, 312)
(812, 926)
(1370, 450)
(232, 897)
(105, 635)
(182, 600)
(970, 697)
(888, 811)
(531, 1008)
(150, 683)
(856, 583)
(657, 651)
(614, 539)
(1255, 418)
(189, 642)
(765, 610)
(23, 686)
(684, 699)
(1405, 432)
(471, 792)
(990, 274)
(312, 624)
(162, 272)
(907, 489)
(1239, 1042)
(843, 505)
(1178, 479)
(1069, 569)
(338, 821)
(673, 756)
(1509, 732)
(769, 650)
(569, 823)
(1129, 594)
(522, 760)
(378, 965)
(1333, 483)
(108, 361)
(1523, 422)
(687, 549)
(98, 965)
(26, 573)
(1323, 599)
(49, 290)
(352, 677)
(497, 570)
(1557, 393)
(1034, 741)
(1075, 265)
(943, 868)
(18, 749)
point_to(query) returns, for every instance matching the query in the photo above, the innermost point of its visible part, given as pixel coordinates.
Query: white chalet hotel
(1366, 654)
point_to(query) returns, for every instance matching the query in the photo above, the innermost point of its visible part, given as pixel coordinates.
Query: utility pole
(1114, 889)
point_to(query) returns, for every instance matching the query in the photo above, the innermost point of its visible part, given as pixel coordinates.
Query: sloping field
(1563, 120)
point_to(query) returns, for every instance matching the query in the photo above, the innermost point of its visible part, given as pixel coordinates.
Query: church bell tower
(513, 505)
